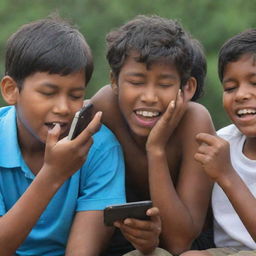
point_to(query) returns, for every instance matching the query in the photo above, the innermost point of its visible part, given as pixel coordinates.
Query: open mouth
(147, 114)
(50, 125)
(246, 112)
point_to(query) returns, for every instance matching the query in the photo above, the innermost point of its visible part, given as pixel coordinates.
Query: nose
(149, 96)
(61, 106)
(243, 93)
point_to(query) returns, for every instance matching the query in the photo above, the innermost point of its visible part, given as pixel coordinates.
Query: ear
(114, 85)
(189, 88)
(9, 90)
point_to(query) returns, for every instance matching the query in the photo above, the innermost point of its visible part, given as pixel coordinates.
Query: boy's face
(144, 94)
(46, 99)
(239, 96)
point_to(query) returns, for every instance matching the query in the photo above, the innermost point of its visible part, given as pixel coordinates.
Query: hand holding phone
(80, 121)
(136, 210)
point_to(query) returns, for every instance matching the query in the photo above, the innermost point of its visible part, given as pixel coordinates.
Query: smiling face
(144, 93)
(46, 99)
(239, 97)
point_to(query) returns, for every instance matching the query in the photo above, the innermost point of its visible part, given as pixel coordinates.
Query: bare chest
(137, 171)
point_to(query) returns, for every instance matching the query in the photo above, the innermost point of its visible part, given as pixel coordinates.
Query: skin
(239, 82)
(43, 101)
(160, 150)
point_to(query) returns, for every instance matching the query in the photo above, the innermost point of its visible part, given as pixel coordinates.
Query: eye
(229, 86)
(47, 93)
(136, 83)
(76, 97)
(229, 89)
(166, 85)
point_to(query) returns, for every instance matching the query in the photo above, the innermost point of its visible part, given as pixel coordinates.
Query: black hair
(199, 67)
(153, 38)
(48, 45)
(235, 47)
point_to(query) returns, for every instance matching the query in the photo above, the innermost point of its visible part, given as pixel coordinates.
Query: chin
(248, 132)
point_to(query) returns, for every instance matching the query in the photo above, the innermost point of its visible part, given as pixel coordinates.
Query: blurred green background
(210, 21)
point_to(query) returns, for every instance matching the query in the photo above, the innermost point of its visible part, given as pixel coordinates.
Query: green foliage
(210, 21)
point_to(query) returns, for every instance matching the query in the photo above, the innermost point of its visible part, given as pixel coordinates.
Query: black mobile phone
(136, 210)
(80, 121)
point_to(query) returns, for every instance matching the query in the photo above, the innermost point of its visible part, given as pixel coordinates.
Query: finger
(201, 158)
(179, 97)
(136, 232)
(169, 111)
(92, 128)
(154, 214)
(139, 224)
(203, 148)
(53, 136)
(206, 138)
(95, 124)
(180, 104)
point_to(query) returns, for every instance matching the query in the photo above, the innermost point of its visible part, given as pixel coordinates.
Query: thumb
(53, 136)
(154, 214)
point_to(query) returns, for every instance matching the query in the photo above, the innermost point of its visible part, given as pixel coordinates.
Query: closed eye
(229, 89)
(136, 82)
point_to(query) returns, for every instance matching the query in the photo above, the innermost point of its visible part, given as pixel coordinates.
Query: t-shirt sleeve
(102, 180)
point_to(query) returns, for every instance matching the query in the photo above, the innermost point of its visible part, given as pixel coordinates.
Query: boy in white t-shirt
(230, 159)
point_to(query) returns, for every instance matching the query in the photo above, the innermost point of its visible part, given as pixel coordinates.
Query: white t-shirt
(229, 230)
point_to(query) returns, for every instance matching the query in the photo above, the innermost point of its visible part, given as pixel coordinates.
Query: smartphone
(136, 210)
(80, 121)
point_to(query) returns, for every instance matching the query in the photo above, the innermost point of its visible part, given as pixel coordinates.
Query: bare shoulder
(104, 98)
(197, 119)
(106, 101)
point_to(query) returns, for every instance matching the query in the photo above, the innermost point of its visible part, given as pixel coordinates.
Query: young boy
(148, 107)
(230, 158)
(51, 199)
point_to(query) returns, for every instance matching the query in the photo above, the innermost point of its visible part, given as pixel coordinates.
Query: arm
(58, 166)
(214, 155)
(88, 236)
(101, 184)
(144, 235)
(183, 209)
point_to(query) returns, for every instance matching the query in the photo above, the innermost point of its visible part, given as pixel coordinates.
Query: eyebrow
(228, 80)
(55, 86)
(161, 76)
(134, 74)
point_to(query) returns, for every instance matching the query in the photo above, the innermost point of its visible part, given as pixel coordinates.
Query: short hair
(48, 45)
(199, 67)
(235, 47)
(153, 38)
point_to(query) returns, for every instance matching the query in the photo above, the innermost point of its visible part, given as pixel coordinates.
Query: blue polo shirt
(98, 183)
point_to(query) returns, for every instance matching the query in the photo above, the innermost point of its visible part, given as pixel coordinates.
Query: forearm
(178, 229)
(88, 236)
(242, 200)
(16, 224)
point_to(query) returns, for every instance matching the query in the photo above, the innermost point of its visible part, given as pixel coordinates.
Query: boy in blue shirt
(53, 190)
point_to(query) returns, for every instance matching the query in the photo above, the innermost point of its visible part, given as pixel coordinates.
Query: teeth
(246, 111)
(147, 113)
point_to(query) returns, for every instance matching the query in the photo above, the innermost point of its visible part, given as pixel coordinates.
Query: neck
(249, 148)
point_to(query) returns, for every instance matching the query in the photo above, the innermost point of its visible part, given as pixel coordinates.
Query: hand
(163, 129)
(143, 234)
(64, 157)
(214, 155)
